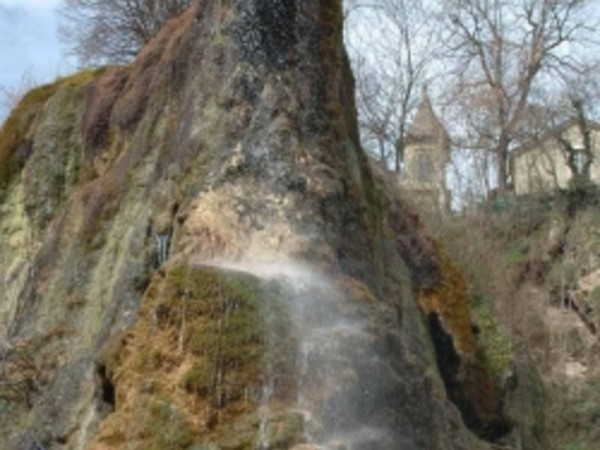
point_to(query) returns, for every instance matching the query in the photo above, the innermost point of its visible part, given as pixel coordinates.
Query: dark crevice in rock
(447, 358)
(106, 388)
(457, 376)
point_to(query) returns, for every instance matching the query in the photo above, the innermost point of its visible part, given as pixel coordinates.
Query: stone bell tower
(426, 154)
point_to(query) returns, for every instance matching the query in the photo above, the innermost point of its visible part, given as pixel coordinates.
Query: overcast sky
(28, 43)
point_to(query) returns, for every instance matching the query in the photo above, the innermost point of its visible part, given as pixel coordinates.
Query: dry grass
(101, 96)
(160, 67)
(101, 199)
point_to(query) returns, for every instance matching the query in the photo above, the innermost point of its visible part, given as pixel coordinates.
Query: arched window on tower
(424, 166)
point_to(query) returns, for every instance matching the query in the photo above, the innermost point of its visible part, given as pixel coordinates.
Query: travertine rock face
(231, 142)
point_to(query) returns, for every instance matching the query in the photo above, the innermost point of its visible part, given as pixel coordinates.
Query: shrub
(168, 428)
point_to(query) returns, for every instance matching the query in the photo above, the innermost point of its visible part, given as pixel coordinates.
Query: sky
(29, 46)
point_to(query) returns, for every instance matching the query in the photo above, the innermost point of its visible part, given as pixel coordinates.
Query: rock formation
(233, 136)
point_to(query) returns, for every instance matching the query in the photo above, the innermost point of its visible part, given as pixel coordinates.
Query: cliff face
(196, 254)
(545, 249)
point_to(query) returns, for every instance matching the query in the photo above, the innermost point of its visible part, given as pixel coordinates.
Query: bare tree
(579, 157)
(376, 109)
(507, 52)
(392, 47)
(98, 32)
(567, 119)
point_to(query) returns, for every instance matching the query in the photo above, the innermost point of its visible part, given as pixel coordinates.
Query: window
(423, 166)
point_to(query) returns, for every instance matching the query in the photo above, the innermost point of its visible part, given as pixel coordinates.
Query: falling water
(162, 247)
(327, 336)
(262, 441)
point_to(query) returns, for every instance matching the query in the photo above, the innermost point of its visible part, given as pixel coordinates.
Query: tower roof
(426, 127)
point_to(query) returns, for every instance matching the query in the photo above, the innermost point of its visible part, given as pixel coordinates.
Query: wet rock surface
(234, 133)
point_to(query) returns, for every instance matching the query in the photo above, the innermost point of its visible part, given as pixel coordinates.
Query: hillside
(197, 254)
(532, 263)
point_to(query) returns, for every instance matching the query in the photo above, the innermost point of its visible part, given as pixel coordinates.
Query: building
(426, 155)
(540, 165)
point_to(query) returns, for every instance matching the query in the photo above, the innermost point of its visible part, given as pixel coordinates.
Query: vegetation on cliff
(195, 362)
(531, 266)
(228, 149)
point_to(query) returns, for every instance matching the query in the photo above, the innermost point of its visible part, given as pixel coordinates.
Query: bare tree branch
(504, 50)
(392, 46)
(99, 32)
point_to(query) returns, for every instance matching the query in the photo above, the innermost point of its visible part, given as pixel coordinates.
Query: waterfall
(330, 344)
(163, 241)
(262, 439)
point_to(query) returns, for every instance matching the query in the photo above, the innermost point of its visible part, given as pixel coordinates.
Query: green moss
(167, 428)
(595, 295)
(563, 274)
(574, 446)
(494, 348)
(582, 416)
(285, 431)
(239, 440)
(517, 254)
(209, 334)
(532, 383)
(204, 446)
(232, 321)
(200, 379)
(589, 407)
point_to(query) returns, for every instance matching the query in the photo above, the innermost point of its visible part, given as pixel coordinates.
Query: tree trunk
(382, 152)
(399, 150)
(503, 171)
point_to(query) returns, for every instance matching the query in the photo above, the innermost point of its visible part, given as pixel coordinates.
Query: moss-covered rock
(16, 135)
(448, 299)
(495, 350)
(262, 147)
(201, 346)
(468, 366)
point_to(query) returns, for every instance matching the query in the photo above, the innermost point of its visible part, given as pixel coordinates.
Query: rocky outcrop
(232, 138)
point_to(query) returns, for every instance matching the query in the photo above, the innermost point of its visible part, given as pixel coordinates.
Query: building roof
(426, 127)
(538, 141)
